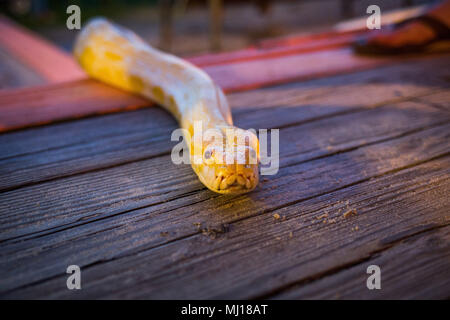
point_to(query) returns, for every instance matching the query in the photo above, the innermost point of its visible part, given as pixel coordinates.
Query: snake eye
(208, 154)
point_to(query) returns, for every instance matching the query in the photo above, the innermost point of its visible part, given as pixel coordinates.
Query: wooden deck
(364, 179)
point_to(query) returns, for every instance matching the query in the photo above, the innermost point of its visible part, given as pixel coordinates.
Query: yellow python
(119, 57)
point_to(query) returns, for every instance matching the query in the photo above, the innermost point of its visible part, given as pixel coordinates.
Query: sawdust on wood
(349, 213)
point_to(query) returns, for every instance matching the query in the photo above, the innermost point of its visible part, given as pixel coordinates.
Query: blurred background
(192, 27)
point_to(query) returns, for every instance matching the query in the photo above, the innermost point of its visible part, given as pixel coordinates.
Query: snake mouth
(231, 165)
(229, 179)
(235, 179)
(235, 182)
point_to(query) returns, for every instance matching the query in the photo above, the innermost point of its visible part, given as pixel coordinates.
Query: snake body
(117, 56)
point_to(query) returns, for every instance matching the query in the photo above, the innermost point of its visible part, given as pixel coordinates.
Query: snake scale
(227, 161)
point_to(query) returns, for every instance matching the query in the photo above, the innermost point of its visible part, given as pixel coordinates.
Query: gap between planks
(329, 285)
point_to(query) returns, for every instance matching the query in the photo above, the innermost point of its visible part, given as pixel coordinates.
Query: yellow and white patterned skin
(120, 58)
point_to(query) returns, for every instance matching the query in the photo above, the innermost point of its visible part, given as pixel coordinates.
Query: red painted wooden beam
(32, 106)
(38, 54)
(70, 94)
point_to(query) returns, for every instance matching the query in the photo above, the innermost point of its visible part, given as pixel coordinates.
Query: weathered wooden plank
(102, 151)
(114, 214)
(134, 229)
(347, 131)
(62, 135)
(256, 255)
(361, 88)
(298, 144)
(71, 152)
(368, 88)
(94, 231)
(417, 267)
(152, 140)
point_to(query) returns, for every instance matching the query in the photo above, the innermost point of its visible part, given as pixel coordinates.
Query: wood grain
(258, 253)
(425, 254)
(145, 133)
(121, 181)
(139, 185)
(364, 178)
(440, 100)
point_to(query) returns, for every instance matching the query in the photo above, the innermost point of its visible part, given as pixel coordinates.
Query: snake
(227, 160)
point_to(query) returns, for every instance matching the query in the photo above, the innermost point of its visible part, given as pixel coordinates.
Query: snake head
(230, 165)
